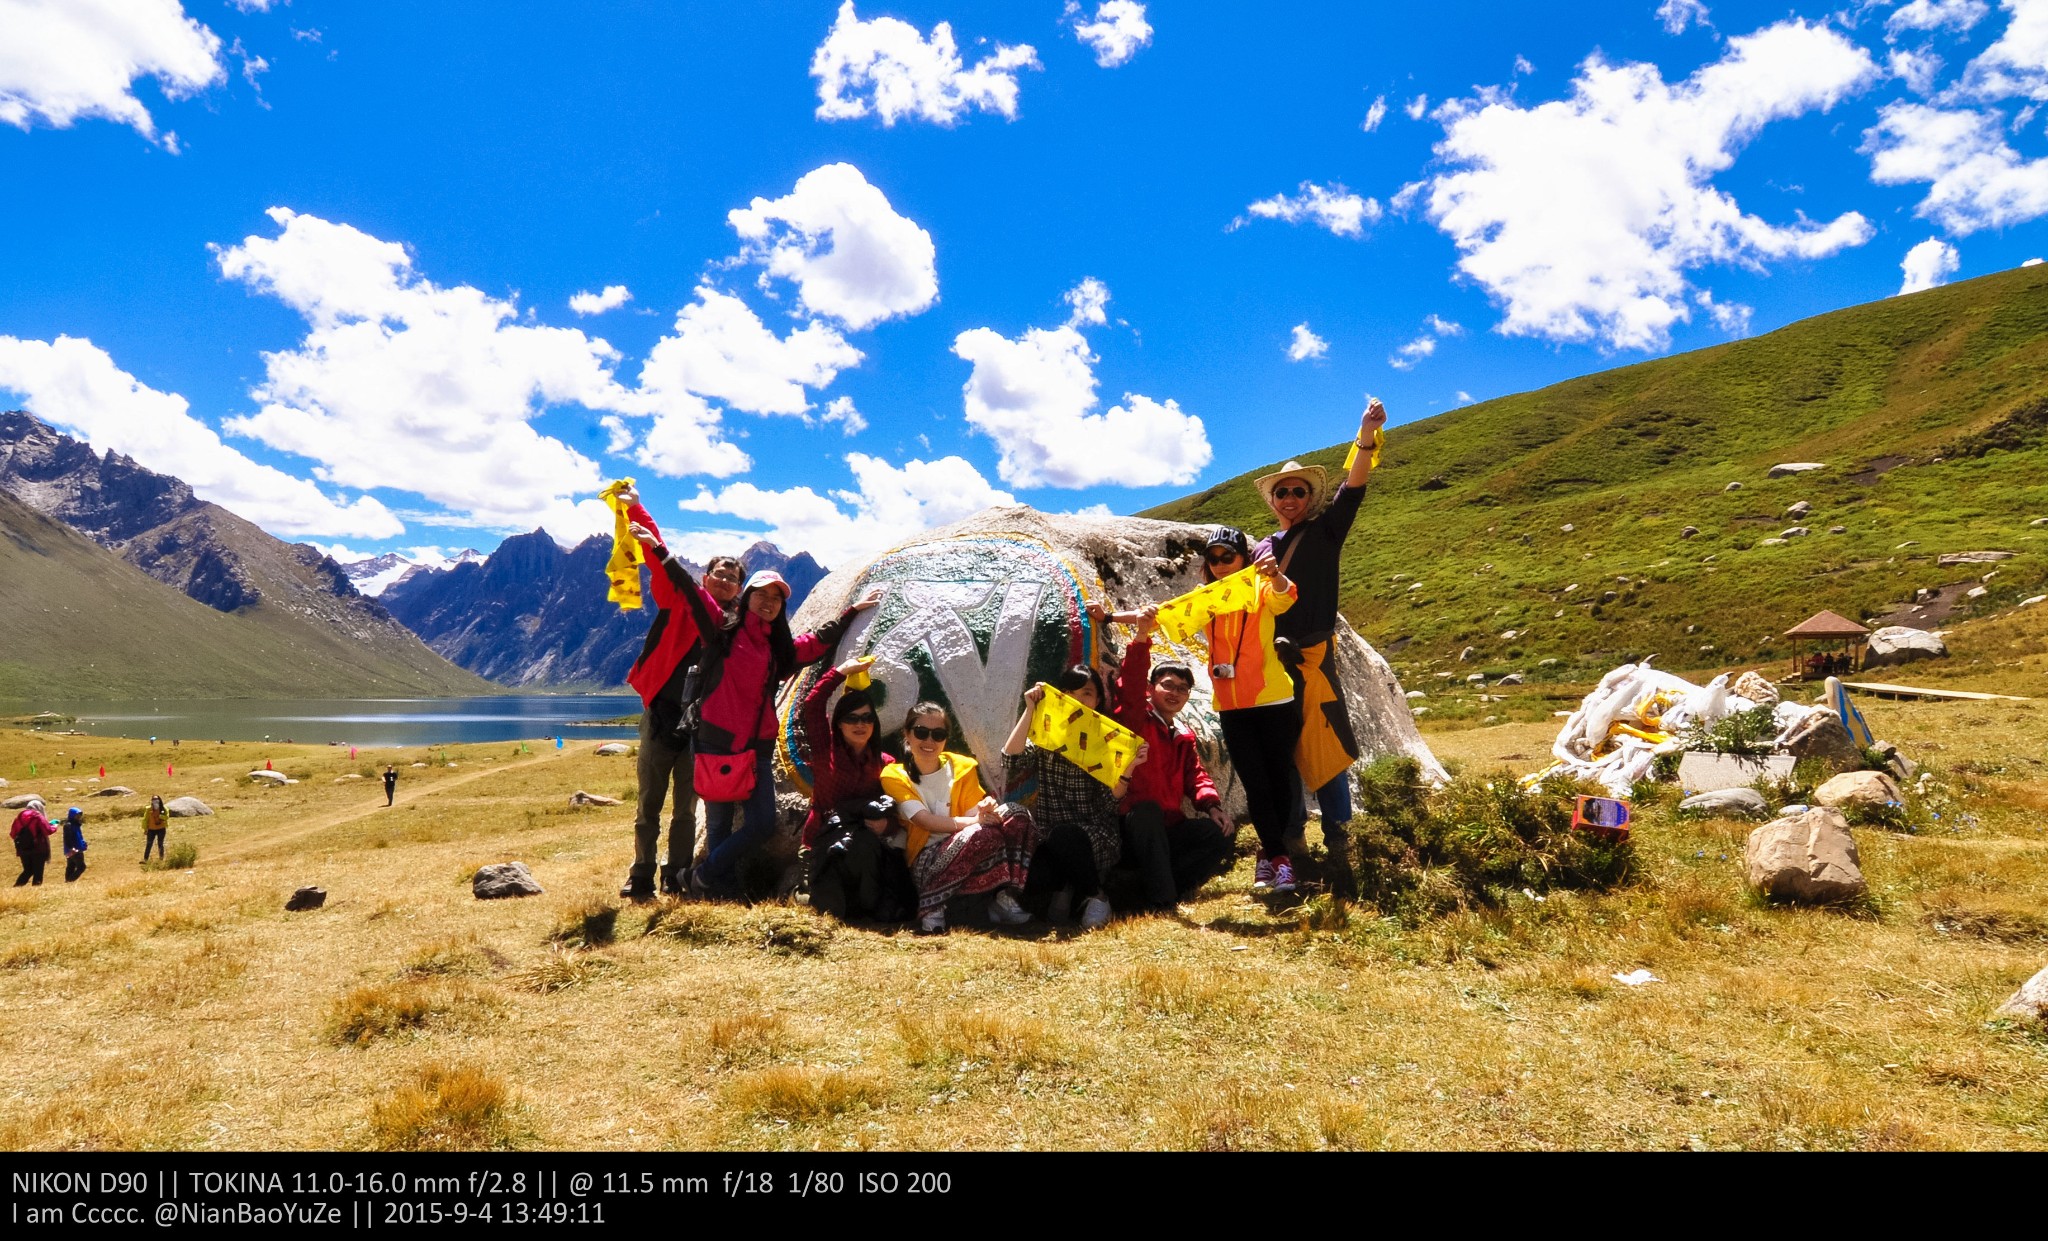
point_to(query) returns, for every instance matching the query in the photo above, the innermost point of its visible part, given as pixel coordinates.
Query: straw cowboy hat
(1314, 475)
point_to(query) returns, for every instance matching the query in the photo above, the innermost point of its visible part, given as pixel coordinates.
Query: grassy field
(185, 1008)
(1519, 516)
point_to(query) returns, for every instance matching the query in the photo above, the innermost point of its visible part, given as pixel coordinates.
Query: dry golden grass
(200, 1013)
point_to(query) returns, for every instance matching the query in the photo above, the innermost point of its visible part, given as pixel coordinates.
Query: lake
(351, 721)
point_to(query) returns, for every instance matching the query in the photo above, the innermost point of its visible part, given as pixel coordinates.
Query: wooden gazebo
(1826, 644)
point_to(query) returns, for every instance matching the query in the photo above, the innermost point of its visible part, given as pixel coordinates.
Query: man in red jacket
(1172, 852)
(665, 678)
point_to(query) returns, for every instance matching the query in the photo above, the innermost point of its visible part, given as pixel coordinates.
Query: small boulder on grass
(503, 880)
(187, 808)
(1808, 859)
(1868, 790)
(581, 798)
(1726, 803)
(270, 777)
(614, 747)
(306, 898)
(2029, 1003)
(114, 790)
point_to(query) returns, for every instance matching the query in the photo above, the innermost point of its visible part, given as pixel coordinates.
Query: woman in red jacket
(844, 748)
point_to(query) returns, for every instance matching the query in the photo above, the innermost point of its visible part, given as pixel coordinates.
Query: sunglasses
(1290, 493)
(922, 733)
(1221, 556)
(858, 717)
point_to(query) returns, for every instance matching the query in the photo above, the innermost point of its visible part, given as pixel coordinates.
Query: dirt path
(299, 829)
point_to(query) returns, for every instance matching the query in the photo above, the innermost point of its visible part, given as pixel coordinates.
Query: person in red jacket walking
(665, 677)
(31, 832)
(1173, 853)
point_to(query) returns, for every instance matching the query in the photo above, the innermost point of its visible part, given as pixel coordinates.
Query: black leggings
(153, 836)
(1064, 859)
(1261, 743)
(32, 870)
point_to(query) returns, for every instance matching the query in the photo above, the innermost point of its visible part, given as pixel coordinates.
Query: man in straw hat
(1313, 526)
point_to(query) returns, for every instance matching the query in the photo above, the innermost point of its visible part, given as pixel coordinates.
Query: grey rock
(1788, 468)
(614, 747)
(503, 880)
(1732, 487)
(1756, 687)
(1727, 803)
(1799, 509)
(1465, 656)
(306, 898)
(1566, 528)
(1838, 529)
(2029, 1003)
(1809, 859)
(581, 798)
(19, 800)
(1709, 773)
(1512, 678)
(1771, 543)
(1414, 694)
(1609, 596)
(114, 790)
(2039, 521)
(1477, 678)
(1688, 532)
(1548, 663)
(1822, 737)
(2031, 600)
(1870, 789)
(1954, 558)
(270, 777)
(187, 808)
(1902, 644)
(1976, 592)
(1794, 532)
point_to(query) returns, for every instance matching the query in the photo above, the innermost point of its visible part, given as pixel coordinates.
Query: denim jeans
(725, 847)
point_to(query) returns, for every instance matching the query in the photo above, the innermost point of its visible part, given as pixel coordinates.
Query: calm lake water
(352, 721)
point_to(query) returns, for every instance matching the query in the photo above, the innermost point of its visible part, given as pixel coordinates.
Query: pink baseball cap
(768, 577)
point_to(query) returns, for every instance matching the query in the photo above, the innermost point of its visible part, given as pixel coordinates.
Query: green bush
(1748, 733)
(181, 856)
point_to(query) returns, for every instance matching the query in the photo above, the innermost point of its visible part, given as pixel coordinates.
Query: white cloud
(2017, 64)
(1442, 326)
(840, 409)
(1306, 345)
(836, 236)
(1089, 301)
(1116, 33)
(1916, 69)
(588, 303)
(255, 6)
(73, 384)
(886, 69)
(404, 384)
(1956, 15)
(1523, 66)
(1731, 317)
(1975, 180)
(1582, 215)
(1929, 265)
(2032, 262)
(1333, 207)
(1417, 107)
(1406, 357)
(1032, 396)
(1464, 397)
(722, 351)
(886, 505)
(63, 60)
(1676, 15)
(1375, 114)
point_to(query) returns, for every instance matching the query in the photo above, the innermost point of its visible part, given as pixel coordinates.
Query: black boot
(671, 881)
(639, 882)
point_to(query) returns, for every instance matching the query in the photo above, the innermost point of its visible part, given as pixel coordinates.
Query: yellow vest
(967, 793)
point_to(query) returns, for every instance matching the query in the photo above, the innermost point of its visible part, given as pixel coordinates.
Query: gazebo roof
(1827, 625)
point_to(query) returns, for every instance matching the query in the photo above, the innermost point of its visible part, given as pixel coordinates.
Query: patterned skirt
(979, 859)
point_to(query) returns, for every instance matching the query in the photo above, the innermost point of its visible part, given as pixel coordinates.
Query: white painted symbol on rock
(985, 694)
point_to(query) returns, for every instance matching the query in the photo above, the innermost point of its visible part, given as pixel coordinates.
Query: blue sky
(318, 257)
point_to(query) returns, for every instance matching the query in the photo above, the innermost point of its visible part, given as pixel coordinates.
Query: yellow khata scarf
(1379, 441)
(1180, 618)
(1092, 741)
(623, 569)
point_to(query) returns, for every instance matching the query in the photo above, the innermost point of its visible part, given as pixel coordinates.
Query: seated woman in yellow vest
(961, 842)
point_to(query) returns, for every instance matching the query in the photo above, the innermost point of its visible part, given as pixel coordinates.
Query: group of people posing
(31, 832)
(900, 825)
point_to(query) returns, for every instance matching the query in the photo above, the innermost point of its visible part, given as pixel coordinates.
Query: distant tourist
(959, 840)
(31, 833)
(1255, 702)
(153, 828)
(1080, 833)
(665, 677)
(747, 654)
(1173, 854)
(390, 783)
(1307, 548)
(74, 844)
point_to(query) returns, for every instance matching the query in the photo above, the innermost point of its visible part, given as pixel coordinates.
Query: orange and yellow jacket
(967, 793)
(1245, 641)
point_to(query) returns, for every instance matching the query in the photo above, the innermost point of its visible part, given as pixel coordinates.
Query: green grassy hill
(80, 622)
(1929, 411)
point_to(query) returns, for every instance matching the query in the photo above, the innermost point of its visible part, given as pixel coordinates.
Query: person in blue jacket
(74, 844)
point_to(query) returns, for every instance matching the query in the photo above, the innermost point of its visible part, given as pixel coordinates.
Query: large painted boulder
(974, 613)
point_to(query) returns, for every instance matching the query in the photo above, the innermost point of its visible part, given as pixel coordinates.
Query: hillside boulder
(504, 880)
(1808, 859)
(269, 777)
(187, 808)
(1756, 687)
(2029, 1003)
(581, 798)
(1902, 644)
(615, 747)
(1947, 559)
(1821, 735)
(1727, 804)
(1788, 468)
(19, 800)
(1869, 790)
(114, 790)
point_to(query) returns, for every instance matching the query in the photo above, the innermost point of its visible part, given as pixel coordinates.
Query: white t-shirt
(935, 790)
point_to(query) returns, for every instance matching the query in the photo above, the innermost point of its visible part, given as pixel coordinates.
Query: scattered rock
(353, 775)
(1908, 543)
(114, 790)
(1808, 858)
(1418, 711)
(1477, 678)
(502, 880)
(2039, 521)
(1756, 687)
(19, 800)
(1701, 772)
(1414, 694)
(1870, 789)
(306, 898)
(187, 808)
(1899, 765)
(1799, 509)
(1707, 650)
(2030, 602)
(419, 764)
(1548, 663)
(1512, 678)
(1953, 558)
(1509, 635)
(1771, 543)
(1794, 532)
(2030, 1002)
(271, 777)
(1569, 589)
(1609, 596)
(1788, 468)
(1732, 487)
(1566, 528)
(1728, 803)
(1976, 592)
(1821, 736)
(614, 747)
(1838, 529)
(1465, 656)
(581, 798)
(1688, 532)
